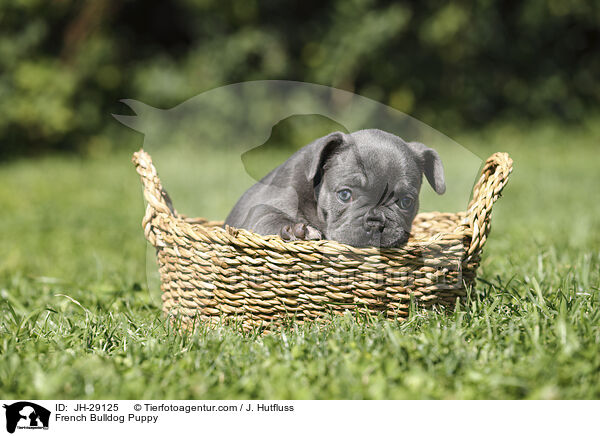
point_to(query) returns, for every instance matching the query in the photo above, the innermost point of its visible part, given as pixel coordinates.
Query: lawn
(78, 319)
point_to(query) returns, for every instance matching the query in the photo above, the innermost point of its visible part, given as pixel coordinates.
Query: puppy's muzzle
(374, 221)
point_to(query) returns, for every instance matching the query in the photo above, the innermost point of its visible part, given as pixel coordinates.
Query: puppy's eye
(344, 195)
(406, 202)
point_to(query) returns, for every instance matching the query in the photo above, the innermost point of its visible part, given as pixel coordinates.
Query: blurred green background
(65, 64)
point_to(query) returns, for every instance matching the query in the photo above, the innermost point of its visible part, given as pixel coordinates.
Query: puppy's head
(367, 185)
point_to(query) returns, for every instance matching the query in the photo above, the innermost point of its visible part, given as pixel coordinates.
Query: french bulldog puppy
(360, 189)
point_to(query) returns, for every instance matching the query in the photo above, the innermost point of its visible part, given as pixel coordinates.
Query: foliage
(64, 65)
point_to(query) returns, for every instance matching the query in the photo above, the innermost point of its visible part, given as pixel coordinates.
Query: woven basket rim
(473, 225)
(243, 237)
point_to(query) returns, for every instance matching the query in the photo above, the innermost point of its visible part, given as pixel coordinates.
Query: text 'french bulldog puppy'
(360, 189)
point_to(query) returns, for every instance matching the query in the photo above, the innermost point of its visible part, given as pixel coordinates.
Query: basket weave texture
(209, 273)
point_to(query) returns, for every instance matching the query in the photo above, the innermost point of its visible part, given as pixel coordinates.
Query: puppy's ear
(317, 153)
(432, 166)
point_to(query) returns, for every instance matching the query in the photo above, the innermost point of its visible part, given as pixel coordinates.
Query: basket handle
(158, 199)
(487, 190)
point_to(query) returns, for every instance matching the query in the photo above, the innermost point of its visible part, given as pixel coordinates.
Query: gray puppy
(361, 189)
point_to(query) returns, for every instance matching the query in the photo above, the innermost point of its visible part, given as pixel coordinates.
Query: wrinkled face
(369, 193)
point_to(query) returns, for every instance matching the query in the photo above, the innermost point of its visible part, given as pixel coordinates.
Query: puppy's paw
(300, 231)
(310, 233)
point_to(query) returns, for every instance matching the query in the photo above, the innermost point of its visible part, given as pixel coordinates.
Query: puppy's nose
(375, 220)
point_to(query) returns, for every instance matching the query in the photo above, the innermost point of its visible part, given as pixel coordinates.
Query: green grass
(77, 318)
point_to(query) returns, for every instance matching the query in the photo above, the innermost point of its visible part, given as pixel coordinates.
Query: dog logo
(26, 415)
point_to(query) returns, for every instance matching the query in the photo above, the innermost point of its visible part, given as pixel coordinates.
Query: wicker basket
(210, 273)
